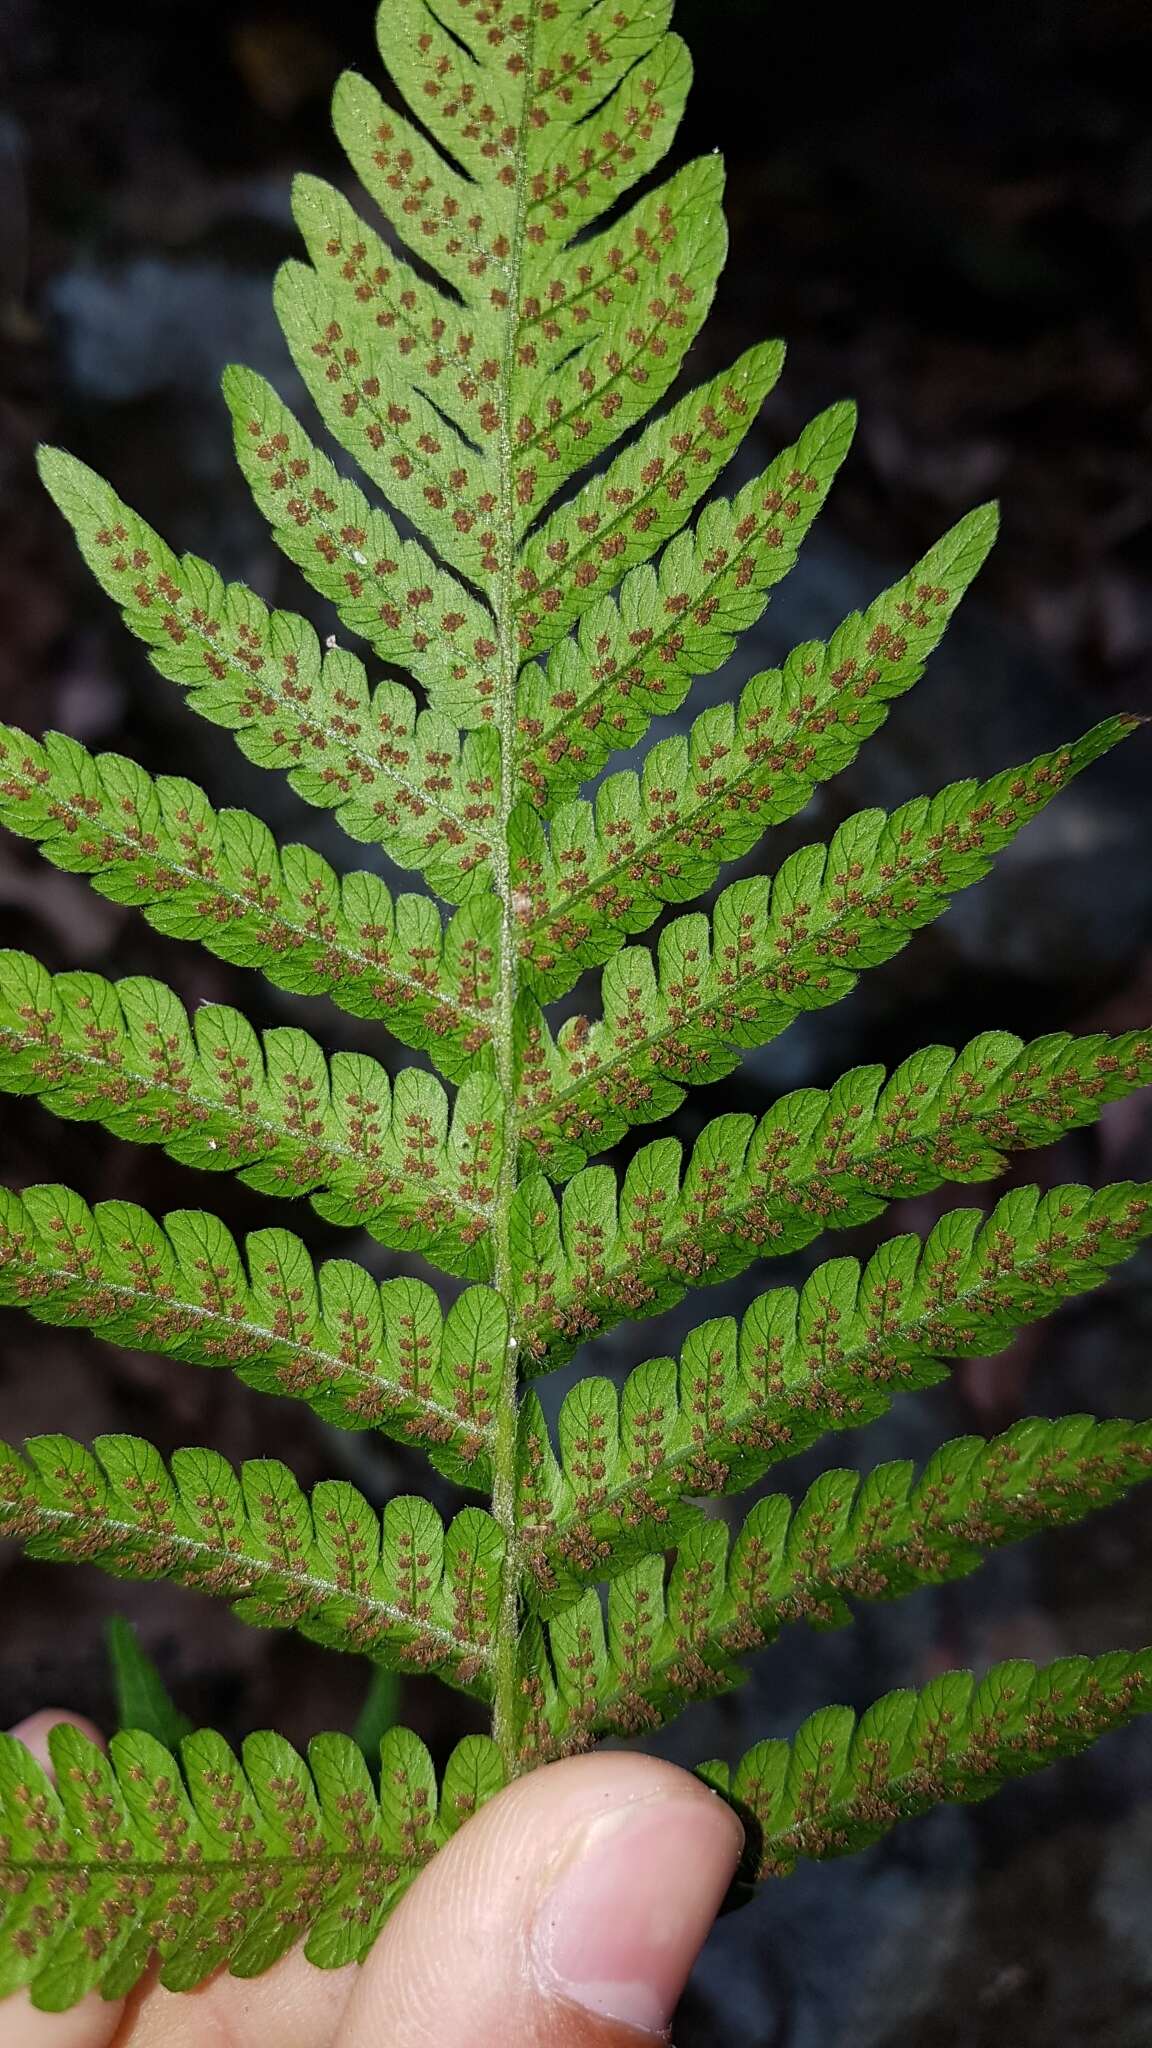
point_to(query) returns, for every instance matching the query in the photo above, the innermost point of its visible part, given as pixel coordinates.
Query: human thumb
(567, 1914)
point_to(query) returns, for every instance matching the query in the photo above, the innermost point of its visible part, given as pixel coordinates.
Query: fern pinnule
(843, 1782)
(656, 1647)
(220, 877)
(398, 1588)
(396, 1160)
(637, 653)
(818, 1159)
(604, 869)
(223, 1862)
(769, 950)
(363, 1355)
(396, 776)
(538, 548)
(801, 1364)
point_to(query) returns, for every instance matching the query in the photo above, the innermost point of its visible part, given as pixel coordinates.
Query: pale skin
(567, 1914)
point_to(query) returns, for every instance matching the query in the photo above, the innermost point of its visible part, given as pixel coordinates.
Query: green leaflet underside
(819, 1159)
(604, 868)
(635, 654)
(209, 1860)
(398, 1588)
(622, 516)
(415, 615)
(395, 1159)
(153, 1852)
(391, 775)
(661, 1645)
(769, 950)
(843, 1782)
(803, 1363)
(363, 1355)
(220, 877)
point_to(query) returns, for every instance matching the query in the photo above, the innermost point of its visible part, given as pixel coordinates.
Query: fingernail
(630, 1907)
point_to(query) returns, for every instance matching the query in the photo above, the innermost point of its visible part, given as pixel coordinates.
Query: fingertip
(35, 1730)
(91, 2024)
(570, 1909)
(629, 1905)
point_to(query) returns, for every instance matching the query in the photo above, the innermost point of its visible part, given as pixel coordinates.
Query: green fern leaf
(635, 654)
(376, 293)
(442, 216)
(623, 515)
(571, 412)
(361, 1353)
(382, 587)
(586, 68)
(203, 1860)
(216, 1094)
(400, 440)
(142, 1698)
(398, 1588)
(769, 951)
(802, 1363)
(390, 776)
(448, 484)
(851, 1538)
(529, 132)
(818, 1159)
(662, 836)
(578, 295)
(220, 877)
(842, 1783)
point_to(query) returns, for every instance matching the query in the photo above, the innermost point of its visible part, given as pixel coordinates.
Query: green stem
(506, 1692)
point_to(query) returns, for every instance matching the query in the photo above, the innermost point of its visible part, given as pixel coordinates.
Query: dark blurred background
(948, 213)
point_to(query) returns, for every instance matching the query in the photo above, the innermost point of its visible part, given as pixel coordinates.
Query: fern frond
(382, 587)
(529, 131)
(818, 1159)
(375, 293)
(220, 877)
(445, 219)
(584, 292)
(841, 1783)
(516, 257)
(770, 949)
(622, 516)
(493, 358)
(584, 97)
(391, 776)
(851, 1538)
(439, 214)
(203, 1860)
(436, 478)
(214, 1093)
(363, 1354)
(636, 654)
(570, 411)
(494, 249)
(801, 1364)
(706, 798)
(398, 1588)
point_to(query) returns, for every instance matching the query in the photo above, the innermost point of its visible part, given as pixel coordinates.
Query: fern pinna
(552, 574)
